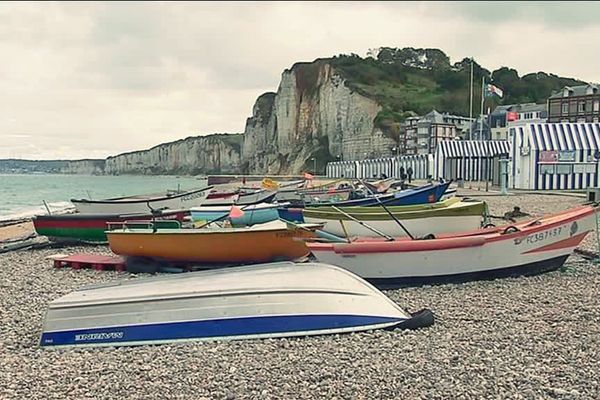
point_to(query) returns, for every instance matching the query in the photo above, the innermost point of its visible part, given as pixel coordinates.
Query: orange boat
(273, 241)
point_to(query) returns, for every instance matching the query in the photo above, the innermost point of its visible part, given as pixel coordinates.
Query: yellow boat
(274, 241)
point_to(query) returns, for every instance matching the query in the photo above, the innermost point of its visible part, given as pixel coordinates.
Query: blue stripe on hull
(211, 329)
(421, 195)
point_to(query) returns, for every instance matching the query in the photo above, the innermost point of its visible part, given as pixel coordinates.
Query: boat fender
(510, 229)
(419, 319)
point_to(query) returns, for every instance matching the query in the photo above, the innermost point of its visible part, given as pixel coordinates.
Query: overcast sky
(89, 80)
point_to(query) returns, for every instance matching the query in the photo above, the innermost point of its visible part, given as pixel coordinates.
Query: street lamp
(314, 160)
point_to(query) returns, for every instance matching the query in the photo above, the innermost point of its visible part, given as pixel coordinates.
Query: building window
(547, 168)
(581, 107)
(565, 108)
(596, 105)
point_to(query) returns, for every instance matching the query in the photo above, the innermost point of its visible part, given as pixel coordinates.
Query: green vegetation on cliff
(406, 81)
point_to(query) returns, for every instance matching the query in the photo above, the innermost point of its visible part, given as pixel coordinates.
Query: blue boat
(252, 302)
(253, 214)
(430, 193)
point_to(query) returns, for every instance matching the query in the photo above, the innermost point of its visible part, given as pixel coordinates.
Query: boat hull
(265, 301)
(220, 198)
(181, 201)
(533, 249)
(417, 227)
(314, 196)
(448, 216)
(91, 228)
(430, 193)
(241, 199)
(254, 214)
(212, 246)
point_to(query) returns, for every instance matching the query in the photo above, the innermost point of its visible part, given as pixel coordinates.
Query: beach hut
(554, 156)
(470, 160)
(343, 169)
(422, 166)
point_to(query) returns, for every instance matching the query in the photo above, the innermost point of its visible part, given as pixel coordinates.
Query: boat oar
(388, 211)
(47, 208)
(362, 223)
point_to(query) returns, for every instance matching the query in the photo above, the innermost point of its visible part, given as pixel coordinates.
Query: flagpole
(482, 99)
(471, 101)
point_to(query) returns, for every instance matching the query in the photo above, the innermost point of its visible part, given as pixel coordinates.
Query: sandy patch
(16, 231)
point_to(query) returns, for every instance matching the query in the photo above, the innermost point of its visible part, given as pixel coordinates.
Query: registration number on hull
(548, 234)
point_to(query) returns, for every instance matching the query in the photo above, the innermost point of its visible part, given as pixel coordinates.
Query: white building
(554, 155)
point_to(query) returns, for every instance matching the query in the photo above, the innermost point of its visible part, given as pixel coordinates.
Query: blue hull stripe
(421, 195)
(211, 329)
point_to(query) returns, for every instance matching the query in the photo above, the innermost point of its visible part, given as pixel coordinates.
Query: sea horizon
(24, 194)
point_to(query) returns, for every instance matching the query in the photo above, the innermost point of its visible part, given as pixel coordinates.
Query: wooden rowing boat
(449, 216)
(274, 241)
(252, 214)
(91, 227)
(525, 248)
(142, 204)
(429, 193)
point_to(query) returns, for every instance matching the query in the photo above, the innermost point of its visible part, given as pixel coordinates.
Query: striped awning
(565, 136)
(473, 148)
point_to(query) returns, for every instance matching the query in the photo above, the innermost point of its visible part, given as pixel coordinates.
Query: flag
(308, 176)
(512, 116)
(236, 212)
(491, 89)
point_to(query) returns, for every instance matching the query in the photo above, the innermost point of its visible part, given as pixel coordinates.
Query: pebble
(528, 337)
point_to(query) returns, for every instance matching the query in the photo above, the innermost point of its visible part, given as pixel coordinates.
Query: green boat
(449, 216)
(91, 227)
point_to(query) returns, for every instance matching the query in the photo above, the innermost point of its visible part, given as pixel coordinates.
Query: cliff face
(326, 110)
(216, 154)
(313, 114)
(84, 167)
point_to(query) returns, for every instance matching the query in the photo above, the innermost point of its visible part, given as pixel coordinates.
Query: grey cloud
(555, 14)
(109, 77)
(155, 46)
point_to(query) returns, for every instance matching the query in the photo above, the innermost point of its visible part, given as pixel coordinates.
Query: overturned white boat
(260, 301)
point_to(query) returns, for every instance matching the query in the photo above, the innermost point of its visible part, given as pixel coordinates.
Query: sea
(23, 195)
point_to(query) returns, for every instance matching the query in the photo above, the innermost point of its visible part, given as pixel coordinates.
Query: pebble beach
(519, 338)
